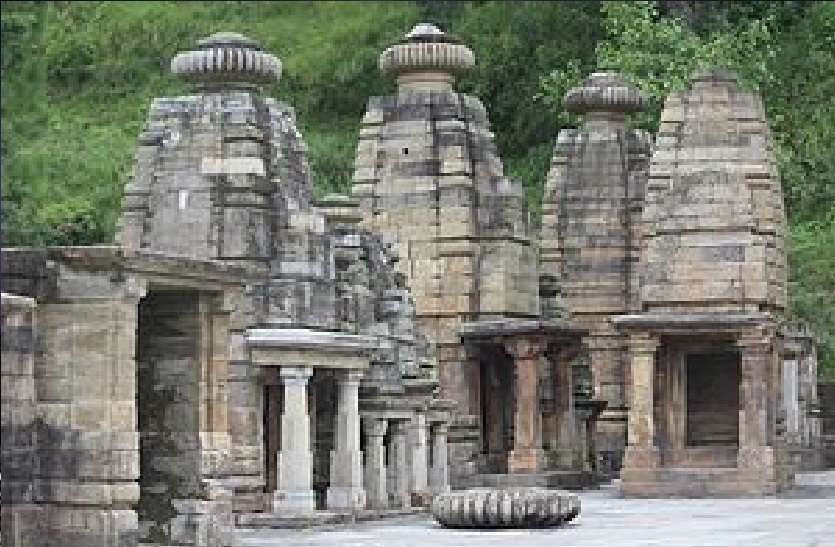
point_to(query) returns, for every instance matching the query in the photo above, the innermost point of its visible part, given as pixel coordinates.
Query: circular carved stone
(505, 508)
(605, 92)
(426, 48)
(227, 58)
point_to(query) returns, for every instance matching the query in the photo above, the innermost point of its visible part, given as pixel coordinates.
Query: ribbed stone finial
(605, 92)
(227, 58)
(426, 49)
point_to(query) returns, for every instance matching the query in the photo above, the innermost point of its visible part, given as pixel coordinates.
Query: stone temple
(247, 355)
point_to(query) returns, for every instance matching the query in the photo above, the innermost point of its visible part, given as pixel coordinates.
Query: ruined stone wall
(84, 401)
(20, 516)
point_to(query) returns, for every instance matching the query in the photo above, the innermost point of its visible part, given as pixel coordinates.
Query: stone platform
(800, 517)
(319, 518)
(569, 480)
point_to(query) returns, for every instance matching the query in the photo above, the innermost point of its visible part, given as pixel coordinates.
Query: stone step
(319, 518)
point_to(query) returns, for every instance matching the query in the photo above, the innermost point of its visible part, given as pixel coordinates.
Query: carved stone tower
(429, 178)
(591, 213)
(705, 347)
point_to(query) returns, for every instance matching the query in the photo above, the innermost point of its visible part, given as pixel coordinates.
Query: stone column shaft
(791, 400)
(755, 355)
(418, 452)
(677, 395)
(564, 410)
(295, 459)
(346, 489)
(527, 453)
(753, 392)
(399, 462)
(439, 473)
(375, 463)
(640, 450)
(642, 362)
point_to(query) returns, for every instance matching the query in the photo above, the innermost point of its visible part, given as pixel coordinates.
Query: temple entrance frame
(528, 425)
(659, 444)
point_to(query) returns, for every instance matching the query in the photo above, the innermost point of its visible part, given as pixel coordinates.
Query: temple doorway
(713, 399)
(498, 407)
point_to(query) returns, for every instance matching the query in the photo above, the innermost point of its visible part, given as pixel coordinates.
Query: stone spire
(605, 95)
(591, 220)
(227, 59)
(426, 58)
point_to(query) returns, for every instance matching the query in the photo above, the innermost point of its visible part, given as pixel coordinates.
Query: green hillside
(78, 77)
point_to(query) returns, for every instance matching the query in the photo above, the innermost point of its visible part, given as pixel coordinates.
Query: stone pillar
(295, 460)
(375, 463)
(755, 355)
(676, 411)
(791, 400)
(346, 488)
(640, 450)
(527, 453)
(418, 455)
(439, 473)
(398, 461)
(566, 441)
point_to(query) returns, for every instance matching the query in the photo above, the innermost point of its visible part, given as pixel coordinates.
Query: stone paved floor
(804, 517)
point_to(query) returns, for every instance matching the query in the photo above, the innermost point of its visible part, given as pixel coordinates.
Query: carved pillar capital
(374, 427)
(526, 348)
(642, 344)
(295, 374)
(755, 341)
(350, 376)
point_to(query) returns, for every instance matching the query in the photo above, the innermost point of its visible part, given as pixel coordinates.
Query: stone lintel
(158, 267)
(292, 357)
(642, 343)
(309, 347)
(395, 415)
(674, 323)
(552, 329)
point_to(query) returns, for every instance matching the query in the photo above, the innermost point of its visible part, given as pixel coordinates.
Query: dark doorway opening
(168, 364)
(498, 406)
(713, 399)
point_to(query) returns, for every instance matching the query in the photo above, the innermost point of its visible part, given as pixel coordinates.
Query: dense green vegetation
(78, 78)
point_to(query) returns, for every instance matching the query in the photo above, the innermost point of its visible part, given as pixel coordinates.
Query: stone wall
(84, 400)
(713, 217)
(21, 517)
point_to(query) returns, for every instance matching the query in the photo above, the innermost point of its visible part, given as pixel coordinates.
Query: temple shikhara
(247, 355)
